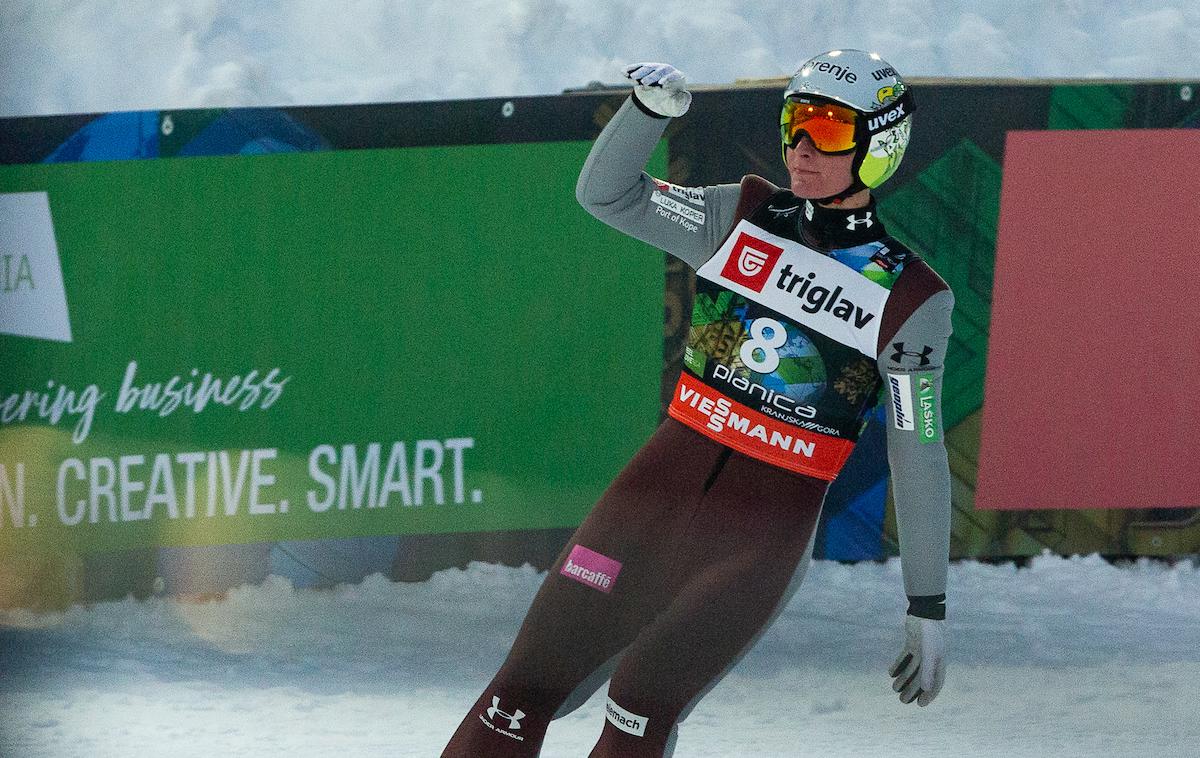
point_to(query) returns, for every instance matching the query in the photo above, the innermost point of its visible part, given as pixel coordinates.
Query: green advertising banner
(220, 350)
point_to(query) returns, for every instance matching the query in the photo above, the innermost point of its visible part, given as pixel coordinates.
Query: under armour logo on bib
(852, 222)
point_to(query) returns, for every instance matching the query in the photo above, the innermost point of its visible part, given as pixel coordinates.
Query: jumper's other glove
(921, 667)
(660, 87)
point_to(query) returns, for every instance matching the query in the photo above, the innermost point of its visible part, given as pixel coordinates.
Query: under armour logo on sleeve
(923, 355)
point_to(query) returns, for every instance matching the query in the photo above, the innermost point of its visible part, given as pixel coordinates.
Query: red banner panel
(1090, 397)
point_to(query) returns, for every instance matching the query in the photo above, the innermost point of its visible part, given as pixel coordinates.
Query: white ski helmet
(868, 85)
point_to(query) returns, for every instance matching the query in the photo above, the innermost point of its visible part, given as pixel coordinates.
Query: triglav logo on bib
(751, 262)
(33, 300)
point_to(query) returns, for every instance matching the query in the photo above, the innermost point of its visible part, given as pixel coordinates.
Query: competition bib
(780, 362)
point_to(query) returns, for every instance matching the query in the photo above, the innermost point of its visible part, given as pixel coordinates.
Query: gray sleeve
(911, 365)
(688, 222)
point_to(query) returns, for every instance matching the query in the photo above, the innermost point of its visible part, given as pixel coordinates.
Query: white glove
(660, 87)
(921, 667)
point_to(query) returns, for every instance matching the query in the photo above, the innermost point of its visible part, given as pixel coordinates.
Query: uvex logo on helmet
(881, 121)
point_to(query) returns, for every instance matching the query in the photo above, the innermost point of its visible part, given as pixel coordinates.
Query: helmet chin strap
(856, 182)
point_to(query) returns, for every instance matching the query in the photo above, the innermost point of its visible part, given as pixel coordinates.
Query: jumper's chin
(812, 185)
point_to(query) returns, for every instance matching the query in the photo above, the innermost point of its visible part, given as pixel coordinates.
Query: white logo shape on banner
(33, 301)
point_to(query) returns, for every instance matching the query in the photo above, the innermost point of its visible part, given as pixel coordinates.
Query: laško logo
(751, 262)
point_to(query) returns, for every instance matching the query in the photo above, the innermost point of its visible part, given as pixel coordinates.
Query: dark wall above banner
(229, 131)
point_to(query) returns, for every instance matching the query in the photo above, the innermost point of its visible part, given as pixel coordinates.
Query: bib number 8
(768, 346)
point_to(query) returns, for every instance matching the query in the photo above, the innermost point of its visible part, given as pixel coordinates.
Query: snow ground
(1067, 657)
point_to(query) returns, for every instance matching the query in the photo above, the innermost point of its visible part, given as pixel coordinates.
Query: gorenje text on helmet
(840, 73)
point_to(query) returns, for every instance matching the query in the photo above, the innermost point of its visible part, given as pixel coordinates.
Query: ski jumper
(804, 318)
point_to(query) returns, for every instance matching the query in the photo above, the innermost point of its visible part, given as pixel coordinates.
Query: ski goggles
(831, 127)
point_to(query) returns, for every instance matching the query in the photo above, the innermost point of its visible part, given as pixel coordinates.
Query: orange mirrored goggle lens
(829, 126)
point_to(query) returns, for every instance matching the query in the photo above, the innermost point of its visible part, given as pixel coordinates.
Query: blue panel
(253, 131)
(851, 525)
(134, 135)
(856, 533)
(114, 137)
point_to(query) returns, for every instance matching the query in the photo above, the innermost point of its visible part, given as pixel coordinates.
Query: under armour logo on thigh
(513, 718)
